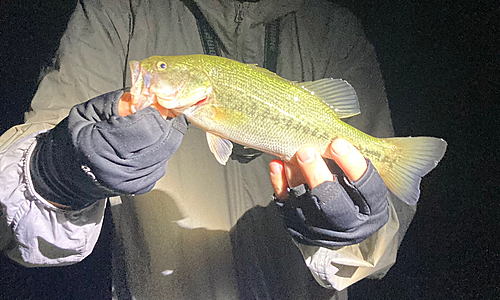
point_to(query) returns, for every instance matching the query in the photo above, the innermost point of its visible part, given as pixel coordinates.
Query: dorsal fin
(337, 93)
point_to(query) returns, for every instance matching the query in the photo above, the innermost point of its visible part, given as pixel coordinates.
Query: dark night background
(441, 65)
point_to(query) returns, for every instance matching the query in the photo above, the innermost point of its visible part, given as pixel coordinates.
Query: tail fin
(415, 157)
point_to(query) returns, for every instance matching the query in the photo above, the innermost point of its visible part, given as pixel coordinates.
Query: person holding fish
(204, 227)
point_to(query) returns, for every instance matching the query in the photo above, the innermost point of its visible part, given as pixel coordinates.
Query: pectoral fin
(221, 148)
(337, 93)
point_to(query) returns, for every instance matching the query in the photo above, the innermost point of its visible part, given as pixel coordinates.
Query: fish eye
(161, 65)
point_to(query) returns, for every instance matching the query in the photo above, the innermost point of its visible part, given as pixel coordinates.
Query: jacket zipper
(238, 18)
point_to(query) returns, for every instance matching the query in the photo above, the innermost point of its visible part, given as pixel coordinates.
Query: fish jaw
(167, 96)
(174, 90)
(180, 101)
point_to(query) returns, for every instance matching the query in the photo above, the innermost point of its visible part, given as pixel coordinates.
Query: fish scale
(251, 106)
(304, 116)
(270, 101)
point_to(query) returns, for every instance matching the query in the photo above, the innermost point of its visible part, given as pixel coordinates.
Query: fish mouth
(141, 83)
(141, 79)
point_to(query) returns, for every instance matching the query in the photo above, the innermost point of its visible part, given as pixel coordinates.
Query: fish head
(172, 82)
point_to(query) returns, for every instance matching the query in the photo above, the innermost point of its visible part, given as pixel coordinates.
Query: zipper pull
(239, 13)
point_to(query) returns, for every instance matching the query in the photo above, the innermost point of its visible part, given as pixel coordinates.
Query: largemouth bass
(254, 107)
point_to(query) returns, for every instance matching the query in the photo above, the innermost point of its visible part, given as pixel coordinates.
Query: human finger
(278, 179)
(348, 158)
(293, 173)
(313, 167)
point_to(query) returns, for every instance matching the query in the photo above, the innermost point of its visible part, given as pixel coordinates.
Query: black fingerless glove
(94, 153)
(338, 213)
(244, 154)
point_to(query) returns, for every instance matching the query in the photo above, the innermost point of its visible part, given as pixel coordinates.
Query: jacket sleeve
(33, 232)
(90, 61)
(352, 58)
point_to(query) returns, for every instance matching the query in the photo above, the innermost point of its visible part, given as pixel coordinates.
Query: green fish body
(251, 106)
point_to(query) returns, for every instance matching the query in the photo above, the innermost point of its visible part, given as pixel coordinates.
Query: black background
(441, 65)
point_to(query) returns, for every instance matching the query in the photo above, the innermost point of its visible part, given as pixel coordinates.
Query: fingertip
(348, 158)
(278, 179)
(306, 155)
(340, 147)
(313, 167)
(276, 167)
(124, 105)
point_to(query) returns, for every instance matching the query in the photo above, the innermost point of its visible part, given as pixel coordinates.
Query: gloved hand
(94, 153)
(330, 210)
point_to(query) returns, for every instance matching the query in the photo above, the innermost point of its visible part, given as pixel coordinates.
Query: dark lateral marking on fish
(372, 153)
